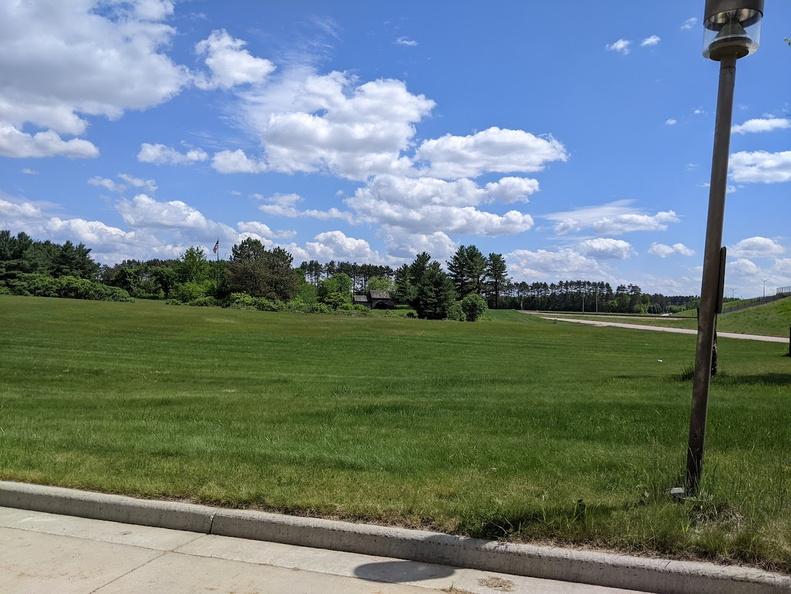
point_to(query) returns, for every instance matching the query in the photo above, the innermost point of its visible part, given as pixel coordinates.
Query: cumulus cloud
(424, 205)
(543, 265)
(64, 60)
(762, 125)
(143, 211)
(229, 63)
(285, 205)
(262, 231)
(671, 122)
(402, 244)
(621, 46)
(159, 154)
(18, 210)
(743, 267)
(331, 123)
(605, 248)
(761, 167)
(756, 247)
(629, 223)
(650, 41)
(237, 162)
(512, 189)
(492, 151)
(663, 251)
(335, 245)
(106, 183)
(148, 184)
(614, 218)
(17, 144)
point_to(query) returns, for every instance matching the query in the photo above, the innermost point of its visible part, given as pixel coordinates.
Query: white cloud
(143, 211)
(159, 154)
(543, 265)
(512, 189)
(17, 144)
(605, 248)
(148, 184)
(425, 205)
(650, 41)
(106, 183)
(756, 247)
(671, 122)
(663, 251)
(405, 245)
(18, 210)
(29, 171)
(63, 60)
(229, 63)
(284, 205)
(762, 125)
(742, 268)
(330, 123)
(614, 218)
(405, 41)
(621, 46)
(262, 231)
(689, 24)
(494, 150)
(629, 223)
(237, 162)
(761, 167)
(334, 245)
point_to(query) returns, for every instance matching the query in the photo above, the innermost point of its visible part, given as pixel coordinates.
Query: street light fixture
(732, 31)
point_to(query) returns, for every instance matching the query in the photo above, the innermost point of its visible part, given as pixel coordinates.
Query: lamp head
(732, 28)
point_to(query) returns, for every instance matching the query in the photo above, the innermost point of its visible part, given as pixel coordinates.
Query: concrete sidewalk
(138, 540)
(46, 553)
(735, 335)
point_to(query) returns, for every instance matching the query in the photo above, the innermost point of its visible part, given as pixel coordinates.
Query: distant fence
(729, 307)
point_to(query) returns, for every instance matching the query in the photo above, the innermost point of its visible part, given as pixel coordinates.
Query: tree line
(254, 276)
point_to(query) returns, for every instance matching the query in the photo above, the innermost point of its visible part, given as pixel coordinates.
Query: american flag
(216, 246)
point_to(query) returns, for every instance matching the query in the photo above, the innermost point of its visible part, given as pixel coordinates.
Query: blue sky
(572, 137)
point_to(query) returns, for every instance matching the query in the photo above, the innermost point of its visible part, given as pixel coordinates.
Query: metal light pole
(732, 30)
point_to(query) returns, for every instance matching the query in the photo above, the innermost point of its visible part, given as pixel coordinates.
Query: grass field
(511, 428)
(771, 319)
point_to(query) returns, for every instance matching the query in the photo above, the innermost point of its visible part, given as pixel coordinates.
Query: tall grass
(510, 428)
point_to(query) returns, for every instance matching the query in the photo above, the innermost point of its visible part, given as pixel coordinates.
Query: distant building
(375, 300)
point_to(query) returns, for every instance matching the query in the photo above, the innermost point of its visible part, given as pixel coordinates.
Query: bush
(71, 287)
(188, 292)
(474, 306)
(456, 313)
(204, 302)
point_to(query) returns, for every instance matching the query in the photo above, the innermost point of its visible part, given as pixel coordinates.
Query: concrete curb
(602, 569)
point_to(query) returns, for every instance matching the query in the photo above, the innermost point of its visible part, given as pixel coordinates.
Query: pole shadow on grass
(398, 572)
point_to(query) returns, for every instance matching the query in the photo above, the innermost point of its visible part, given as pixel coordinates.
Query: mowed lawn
(514, 427)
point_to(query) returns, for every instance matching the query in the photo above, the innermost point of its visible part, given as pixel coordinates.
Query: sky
(572, 137)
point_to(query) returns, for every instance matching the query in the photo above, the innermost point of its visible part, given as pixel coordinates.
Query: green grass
(771, 319)
(514, 427)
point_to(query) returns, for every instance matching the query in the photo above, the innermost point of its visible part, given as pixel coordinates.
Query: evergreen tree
(434, 293)
(467, 270)
(496, 277)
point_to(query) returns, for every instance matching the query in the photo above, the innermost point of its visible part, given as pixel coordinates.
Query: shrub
(456, 313)
(190, 291)
(474, 306)
(205, 302)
